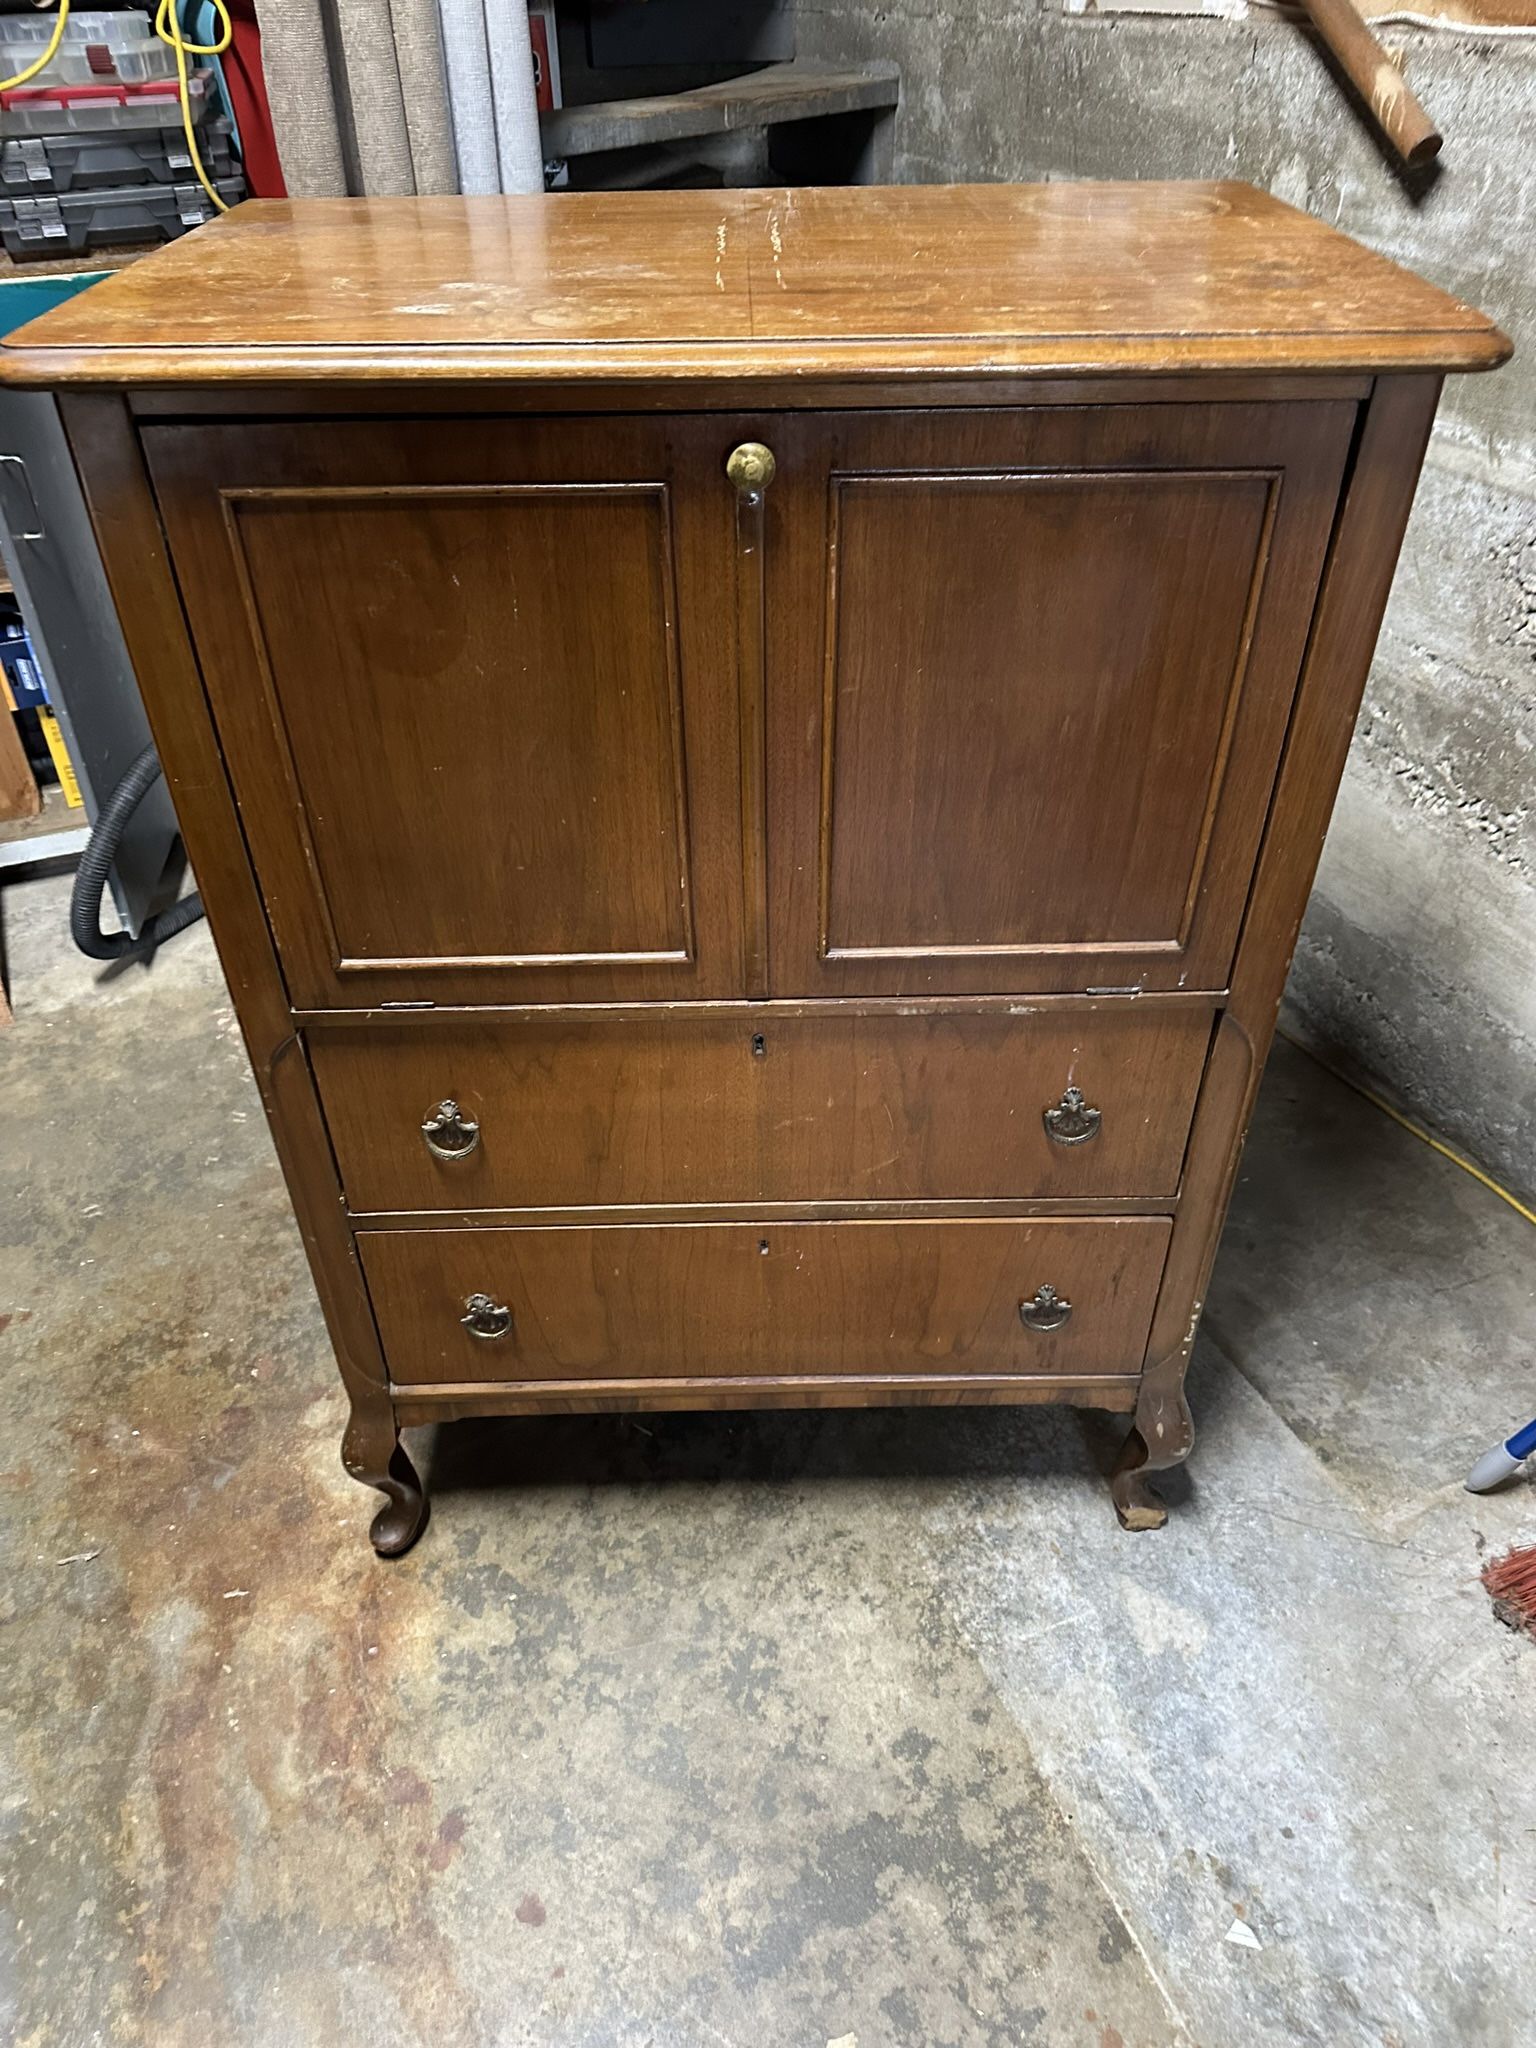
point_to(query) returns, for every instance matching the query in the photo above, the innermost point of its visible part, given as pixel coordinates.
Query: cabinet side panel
(133, 549)
(1362, 557)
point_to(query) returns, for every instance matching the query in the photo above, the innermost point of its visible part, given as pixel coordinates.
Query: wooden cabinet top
(964, 281)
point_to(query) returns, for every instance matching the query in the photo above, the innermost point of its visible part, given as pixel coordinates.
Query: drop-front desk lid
(854, 281)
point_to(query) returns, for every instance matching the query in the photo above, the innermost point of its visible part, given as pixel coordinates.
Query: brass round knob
(750, 467)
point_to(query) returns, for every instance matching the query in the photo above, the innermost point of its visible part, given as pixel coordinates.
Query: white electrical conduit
(488, 54)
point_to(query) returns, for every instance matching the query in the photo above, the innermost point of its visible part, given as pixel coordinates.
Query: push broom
(1510, 1580)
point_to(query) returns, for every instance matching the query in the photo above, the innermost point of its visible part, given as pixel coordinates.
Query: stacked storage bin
(92, 150)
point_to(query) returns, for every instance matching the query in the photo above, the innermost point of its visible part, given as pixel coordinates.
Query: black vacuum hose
(91, 875)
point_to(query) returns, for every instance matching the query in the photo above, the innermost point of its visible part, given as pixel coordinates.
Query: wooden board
(20, 796)
(781, 92)
(980, 281)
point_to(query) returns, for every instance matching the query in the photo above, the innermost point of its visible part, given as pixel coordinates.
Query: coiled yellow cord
(168, 28)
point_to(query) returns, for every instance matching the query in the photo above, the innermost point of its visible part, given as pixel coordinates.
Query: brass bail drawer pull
(751, 468)
(485, 1318)
(1045, 1310)
(1071, 1121)
(449, 1133)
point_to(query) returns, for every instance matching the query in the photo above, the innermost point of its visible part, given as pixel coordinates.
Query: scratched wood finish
(760, 1301)
(474, 686)
(1048, 658)
(578, 372)
(582, 1111)
(974, 281)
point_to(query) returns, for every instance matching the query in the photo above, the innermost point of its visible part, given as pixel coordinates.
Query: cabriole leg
(371, 1452)
(1161, 1437)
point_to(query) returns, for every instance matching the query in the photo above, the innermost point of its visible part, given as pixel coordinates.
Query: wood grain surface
(977, 281)
(742, 1108)
(470, 772)
(1047, 658)
(475, 682)
(764, 1301)
(20, 796)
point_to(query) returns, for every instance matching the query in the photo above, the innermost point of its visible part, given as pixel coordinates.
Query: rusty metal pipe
(1376, 78)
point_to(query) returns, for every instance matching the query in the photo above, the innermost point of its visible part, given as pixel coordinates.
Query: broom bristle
(1511, 1583)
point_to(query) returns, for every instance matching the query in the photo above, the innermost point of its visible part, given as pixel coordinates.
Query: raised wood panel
(477, 697)
(517, 648)
(765, 1301)
(747, 1107)
(1046, 661)
(1078, 644)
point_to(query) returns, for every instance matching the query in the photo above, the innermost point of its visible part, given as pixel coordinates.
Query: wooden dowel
(1376, 78)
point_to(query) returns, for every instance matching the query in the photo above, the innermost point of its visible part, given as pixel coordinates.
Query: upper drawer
(750, 1106)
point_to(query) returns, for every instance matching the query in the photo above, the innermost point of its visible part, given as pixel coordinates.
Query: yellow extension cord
(1425, 1137)
(168, 28)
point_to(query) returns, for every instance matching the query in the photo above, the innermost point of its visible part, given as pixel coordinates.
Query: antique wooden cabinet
(755, 759)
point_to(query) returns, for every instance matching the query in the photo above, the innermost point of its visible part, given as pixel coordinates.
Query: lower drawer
(747, 1106)
(1053, 1296)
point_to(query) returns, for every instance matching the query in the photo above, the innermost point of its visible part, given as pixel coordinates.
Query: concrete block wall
(1417, 965)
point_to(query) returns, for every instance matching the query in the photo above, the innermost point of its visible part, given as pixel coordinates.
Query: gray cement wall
(1417, 966)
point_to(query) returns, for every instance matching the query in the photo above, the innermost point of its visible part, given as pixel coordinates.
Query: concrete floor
(867, 1729)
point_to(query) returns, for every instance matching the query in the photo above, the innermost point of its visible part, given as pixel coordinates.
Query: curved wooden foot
(1161, 1437)
(372, 1453)
(1135, 1503)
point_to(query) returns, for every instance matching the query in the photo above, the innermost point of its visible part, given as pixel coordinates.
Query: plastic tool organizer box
(117, 48)
(68, 223)
(100, 109)
(92, 152)
(33, 164)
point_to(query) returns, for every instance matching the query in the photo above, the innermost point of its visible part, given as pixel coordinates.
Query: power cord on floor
(1425, 1137)
(168, 28)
